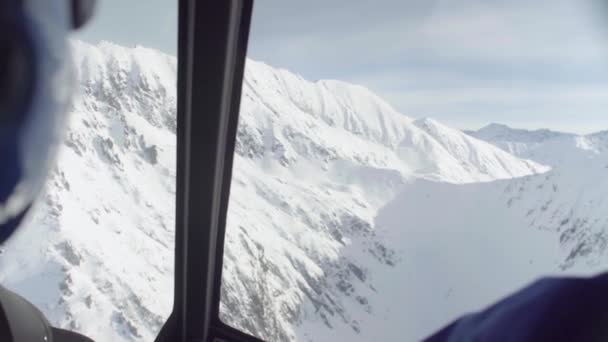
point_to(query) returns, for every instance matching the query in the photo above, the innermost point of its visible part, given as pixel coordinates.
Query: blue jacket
(551, 309)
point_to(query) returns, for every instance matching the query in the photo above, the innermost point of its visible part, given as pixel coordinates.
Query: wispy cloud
(464, 61)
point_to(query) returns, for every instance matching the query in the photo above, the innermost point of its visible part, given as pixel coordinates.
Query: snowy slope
(573, 192)
(318, 162)
(469, 154)
(489, 240)
(492, 238)
(315, 162)
(96, 256)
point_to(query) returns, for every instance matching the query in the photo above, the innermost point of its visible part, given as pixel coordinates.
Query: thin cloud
(462, 61)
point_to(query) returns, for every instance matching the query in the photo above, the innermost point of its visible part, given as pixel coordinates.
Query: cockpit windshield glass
(401, 163)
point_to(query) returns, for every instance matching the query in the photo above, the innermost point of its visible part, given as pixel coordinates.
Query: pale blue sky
(530, 64)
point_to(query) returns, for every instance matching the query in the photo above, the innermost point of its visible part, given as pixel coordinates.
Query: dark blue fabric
(9, 227)
(10, 175)
(10, 169)
(551, 309)
(15, 25)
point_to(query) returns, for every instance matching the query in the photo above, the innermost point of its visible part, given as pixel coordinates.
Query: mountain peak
(426, 121)
(500, 132)
(495, 126)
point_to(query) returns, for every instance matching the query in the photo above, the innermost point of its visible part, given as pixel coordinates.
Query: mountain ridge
(314, 163)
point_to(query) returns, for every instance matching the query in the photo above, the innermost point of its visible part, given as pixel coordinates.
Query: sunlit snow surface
(347, 221)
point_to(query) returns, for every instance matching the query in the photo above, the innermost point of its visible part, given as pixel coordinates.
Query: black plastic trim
(212, 47)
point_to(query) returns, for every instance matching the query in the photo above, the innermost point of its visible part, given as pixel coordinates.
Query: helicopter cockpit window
(396, 165)
(400, 164)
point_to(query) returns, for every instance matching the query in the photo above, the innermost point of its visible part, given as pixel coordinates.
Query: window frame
(212, 46)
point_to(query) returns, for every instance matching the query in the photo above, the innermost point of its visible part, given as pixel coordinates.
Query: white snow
(330, 233)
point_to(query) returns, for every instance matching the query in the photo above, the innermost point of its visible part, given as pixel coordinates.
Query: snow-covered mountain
(494, 237)
(96, 255)
(566, 152)
(315, 162)
(572, 192)
(501, 132)
(462, 246)
(318, 161)
(516, 141)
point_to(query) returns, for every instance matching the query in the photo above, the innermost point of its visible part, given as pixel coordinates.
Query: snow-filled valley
(348, 220)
